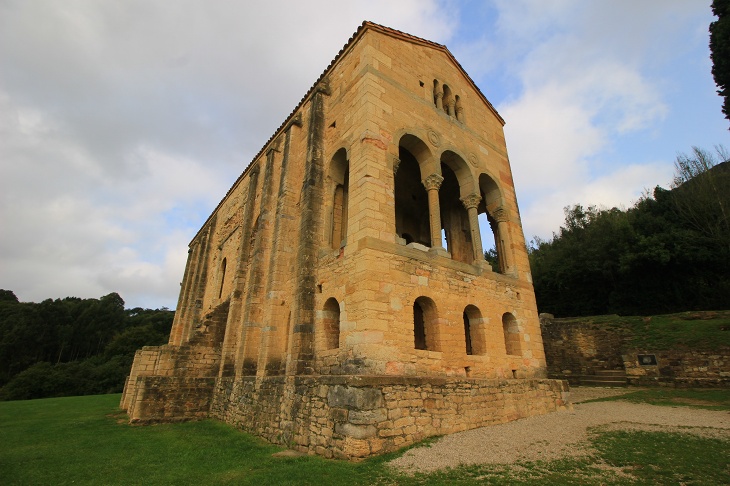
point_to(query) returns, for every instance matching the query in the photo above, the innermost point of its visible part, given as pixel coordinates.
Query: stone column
(501, 216)
(432, 184)
(470, 203)
(439, 96)
(450, 107)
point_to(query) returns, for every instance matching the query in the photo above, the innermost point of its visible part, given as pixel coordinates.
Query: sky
(123, 124)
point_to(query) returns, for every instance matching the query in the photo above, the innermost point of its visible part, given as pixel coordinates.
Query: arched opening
(340, 181)
(449, 101)
(223, 278)
(459, 109)
(512, 337)
(474, 332)
(411, 199)
(454, 218)
(425, 325)
(493, 225)
(331, 324)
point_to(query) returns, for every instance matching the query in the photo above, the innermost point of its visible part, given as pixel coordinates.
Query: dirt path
(560, 434)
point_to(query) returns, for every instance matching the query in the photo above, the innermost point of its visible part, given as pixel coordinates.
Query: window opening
(467, 334)
(512, 336)
(411, 201)
(223, 278)
(331, 323)
(419, 328)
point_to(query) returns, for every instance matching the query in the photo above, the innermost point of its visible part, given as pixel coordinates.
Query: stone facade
(319, 300)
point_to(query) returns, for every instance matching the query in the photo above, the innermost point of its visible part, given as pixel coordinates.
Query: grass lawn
(86, 440)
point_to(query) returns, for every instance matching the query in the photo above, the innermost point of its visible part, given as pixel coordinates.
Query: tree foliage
(670, 252)
(720, 51)
(72, 346)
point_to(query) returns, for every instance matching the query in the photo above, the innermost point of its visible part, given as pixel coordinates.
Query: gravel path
(561, 434)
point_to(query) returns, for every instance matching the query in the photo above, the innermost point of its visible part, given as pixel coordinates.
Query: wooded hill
(669, 252)
(72, 346)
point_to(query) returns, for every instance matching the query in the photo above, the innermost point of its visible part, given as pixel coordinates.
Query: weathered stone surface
(318, 307)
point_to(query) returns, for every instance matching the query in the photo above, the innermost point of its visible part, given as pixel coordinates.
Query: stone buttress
(338, 300)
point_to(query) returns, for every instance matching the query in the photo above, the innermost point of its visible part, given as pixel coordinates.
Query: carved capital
(471, 201)
(396, 164)
(297, 120)
(432, 182)
(438, 94)
(500, 214)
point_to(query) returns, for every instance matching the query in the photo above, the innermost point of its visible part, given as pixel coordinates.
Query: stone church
(338, 300)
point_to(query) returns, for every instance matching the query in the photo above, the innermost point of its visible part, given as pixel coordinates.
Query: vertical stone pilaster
(272, 357)
(233, 336)
(432, 184)
(258, 267)
(180, 314)
(301, 357)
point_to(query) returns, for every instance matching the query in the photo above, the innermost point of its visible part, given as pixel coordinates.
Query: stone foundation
(352, 417)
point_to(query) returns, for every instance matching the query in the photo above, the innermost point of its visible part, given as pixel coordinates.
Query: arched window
(331, 324)
(411, 198)
(340, 180)
(494, 225)
(512, 336)
(425, 325)
(474, 331)
(449, 101)
(223, 278)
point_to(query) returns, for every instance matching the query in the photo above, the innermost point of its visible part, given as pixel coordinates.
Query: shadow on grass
(85, 440)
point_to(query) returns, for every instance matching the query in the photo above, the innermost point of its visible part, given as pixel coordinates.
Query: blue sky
(123, 123)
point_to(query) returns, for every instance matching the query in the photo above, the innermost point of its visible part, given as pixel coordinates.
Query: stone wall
(352, 417)
(578, 349)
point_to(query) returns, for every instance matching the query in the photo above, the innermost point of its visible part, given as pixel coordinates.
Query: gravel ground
(560, 434)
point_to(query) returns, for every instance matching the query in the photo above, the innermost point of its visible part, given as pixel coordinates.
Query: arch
(223, 278)
(411, 199)
(474, 332)
(512, 336)
(425, 325)
(420, 151)
(456, 163)
(331, 324)
(448, 100)
(492, 213)
(454, 218)
(339, 180)
(460, 230)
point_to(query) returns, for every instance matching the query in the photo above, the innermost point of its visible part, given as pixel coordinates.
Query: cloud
(585, 85)
(123, 124)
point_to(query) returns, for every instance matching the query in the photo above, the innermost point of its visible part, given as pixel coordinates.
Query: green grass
(710, 399)
(705, 330)
(86, 440)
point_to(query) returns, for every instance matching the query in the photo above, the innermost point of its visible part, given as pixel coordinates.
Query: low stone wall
(682, 368)
(576, 349)
(353, 417)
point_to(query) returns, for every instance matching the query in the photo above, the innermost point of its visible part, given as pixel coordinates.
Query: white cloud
(123, 124)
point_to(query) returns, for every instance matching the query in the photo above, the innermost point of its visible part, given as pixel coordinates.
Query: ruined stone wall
(576, 349)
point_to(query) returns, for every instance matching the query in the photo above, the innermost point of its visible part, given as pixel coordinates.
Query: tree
(702, 192)
(720, 51)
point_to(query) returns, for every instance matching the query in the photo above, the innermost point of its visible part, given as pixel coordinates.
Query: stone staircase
(605, 378)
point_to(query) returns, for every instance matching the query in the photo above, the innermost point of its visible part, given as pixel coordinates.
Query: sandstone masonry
(337, 300)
